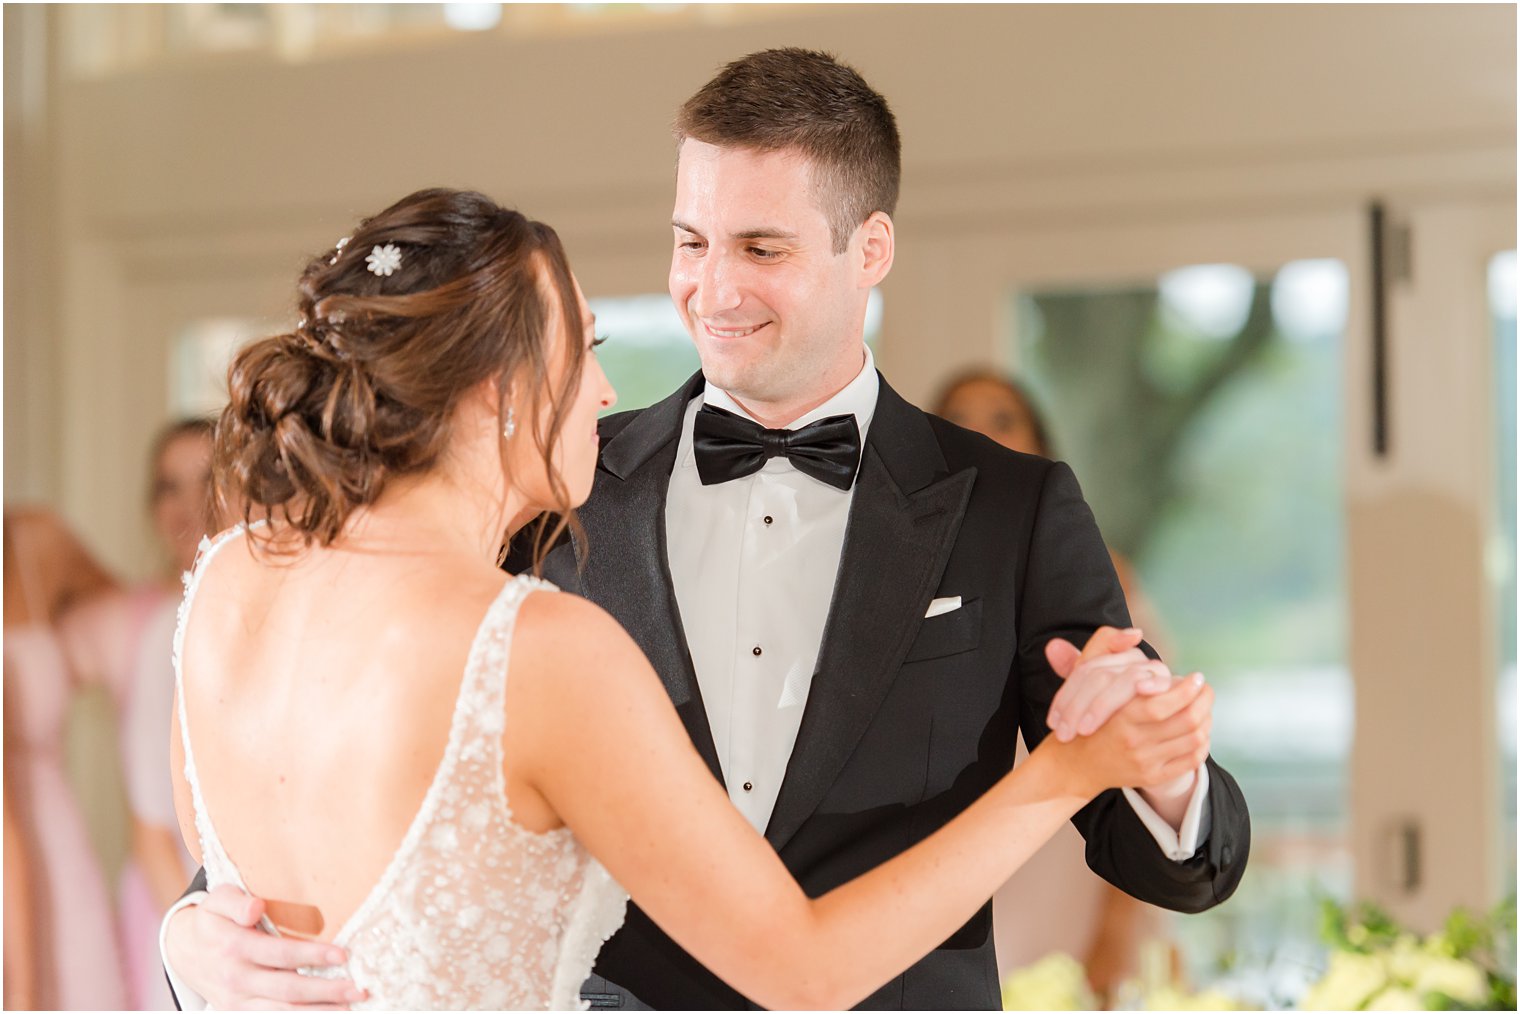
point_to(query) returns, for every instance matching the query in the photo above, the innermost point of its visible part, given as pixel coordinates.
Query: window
(1201, 412)
(1501, 305)
(199, 361)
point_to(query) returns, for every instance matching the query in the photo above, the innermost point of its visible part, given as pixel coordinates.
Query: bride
(452, 774)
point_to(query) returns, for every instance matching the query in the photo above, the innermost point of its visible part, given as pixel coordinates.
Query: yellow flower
(1405, 958)
(1347, 983)
(1461, 980)
(1172, 998)
(1055, 982)
(1394, 998)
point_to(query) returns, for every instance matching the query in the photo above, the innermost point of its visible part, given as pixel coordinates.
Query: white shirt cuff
(188, 998)
(1179, 845)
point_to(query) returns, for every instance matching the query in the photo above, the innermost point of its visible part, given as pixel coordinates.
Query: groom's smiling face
(776, 315)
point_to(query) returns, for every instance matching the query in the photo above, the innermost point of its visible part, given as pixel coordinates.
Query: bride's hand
(216, 948)
(1148, 742)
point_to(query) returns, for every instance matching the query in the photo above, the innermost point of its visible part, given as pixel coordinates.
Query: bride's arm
(591, 731)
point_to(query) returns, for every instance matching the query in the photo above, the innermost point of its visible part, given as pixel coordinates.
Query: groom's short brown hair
(807, 101)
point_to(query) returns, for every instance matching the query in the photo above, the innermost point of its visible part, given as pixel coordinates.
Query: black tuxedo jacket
(909, 719)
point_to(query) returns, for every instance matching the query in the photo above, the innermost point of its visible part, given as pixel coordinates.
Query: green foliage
(1362, 928)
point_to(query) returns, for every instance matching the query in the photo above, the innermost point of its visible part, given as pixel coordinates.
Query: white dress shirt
(753, 561)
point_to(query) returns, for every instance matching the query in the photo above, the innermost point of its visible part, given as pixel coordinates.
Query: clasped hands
(1164, 721)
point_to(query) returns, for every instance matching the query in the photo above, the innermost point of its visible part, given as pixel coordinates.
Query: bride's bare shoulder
(562, 634)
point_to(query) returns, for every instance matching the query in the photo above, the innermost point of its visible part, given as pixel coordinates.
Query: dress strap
(213, 857)
(481, 710)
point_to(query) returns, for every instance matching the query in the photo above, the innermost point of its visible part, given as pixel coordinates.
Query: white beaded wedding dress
(473, 910)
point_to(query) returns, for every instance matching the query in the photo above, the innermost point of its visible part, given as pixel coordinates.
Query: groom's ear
(877, 248)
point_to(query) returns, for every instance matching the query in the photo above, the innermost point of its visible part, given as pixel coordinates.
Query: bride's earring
(511, 426)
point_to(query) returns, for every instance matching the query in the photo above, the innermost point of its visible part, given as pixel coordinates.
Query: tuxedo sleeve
(1069, 589)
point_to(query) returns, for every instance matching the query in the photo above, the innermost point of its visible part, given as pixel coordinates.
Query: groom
(849, 601)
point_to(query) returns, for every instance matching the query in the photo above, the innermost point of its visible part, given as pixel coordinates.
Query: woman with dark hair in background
(1104, 927)
(440, 386)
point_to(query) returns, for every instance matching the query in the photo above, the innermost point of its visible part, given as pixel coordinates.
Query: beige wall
(194, 189)
(1031, 134)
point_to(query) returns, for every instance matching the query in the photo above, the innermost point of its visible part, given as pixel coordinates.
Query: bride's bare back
(329, 682)
(392, 820)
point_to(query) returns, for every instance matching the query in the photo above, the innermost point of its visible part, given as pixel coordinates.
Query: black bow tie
(729, 446)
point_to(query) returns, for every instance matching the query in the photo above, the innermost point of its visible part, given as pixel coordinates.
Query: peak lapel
(626, 565)
(903, 523)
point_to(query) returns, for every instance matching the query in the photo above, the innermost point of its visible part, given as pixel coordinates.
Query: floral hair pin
(384, 260)
(338, 250)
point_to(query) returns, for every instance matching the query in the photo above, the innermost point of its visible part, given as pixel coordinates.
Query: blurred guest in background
(48, 576)
(21, 966)
(126, 639)
(1104, 927)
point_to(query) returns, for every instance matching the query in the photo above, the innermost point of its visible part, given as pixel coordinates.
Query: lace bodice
(473, 911)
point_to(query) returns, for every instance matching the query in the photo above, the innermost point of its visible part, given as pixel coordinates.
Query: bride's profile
(461, 772)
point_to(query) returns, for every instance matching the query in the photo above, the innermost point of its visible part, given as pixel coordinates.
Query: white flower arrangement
(1403, 977)
(1377, 965)
(1373, 964)
(384, 260)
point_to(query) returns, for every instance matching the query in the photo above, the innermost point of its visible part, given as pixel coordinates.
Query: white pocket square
(946, 605)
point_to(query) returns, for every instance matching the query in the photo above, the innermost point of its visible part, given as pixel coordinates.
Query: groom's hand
(216, 948)
(1100, 679)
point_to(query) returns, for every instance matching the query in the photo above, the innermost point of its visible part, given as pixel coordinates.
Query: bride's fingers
(1181, 763)
(1181, 694)
(1197, 715)
(1169, 758)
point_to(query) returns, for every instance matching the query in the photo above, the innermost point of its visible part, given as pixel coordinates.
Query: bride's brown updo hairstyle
(363, 389)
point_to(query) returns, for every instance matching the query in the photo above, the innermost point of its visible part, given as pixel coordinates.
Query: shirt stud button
(755, 650)
(749, 786)
(769, 519)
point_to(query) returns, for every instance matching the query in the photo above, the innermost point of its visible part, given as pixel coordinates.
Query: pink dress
(82, 966)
